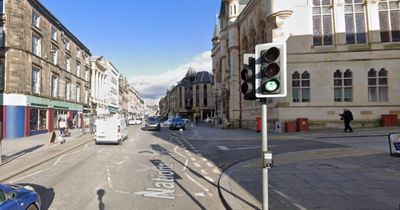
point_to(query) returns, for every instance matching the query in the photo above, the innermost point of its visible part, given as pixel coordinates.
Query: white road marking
(223, 148)
(186, 162)
(197, 164)
(209, 194)
(109, 178)
(209, 179)
(217, 171)
(203, 171)
(187, 151)
(200, 194)
(198, 184)
(62, 156)
(193, 159)
(209, 164)
(122, 192)
(121, 162)
(33, 174)
(291, 200)
(98, 152)
(204, 159)
(179, 153)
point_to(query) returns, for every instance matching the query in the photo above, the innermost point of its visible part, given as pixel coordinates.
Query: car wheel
(32, 207)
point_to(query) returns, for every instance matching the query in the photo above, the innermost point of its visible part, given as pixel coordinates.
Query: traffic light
(248, 76)
(271, 73)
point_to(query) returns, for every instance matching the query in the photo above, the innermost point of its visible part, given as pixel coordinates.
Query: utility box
(290, 126)
(302, 124)
(389, 120)
(394, 144)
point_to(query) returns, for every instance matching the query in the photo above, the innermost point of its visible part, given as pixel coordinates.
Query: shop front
(30, 115)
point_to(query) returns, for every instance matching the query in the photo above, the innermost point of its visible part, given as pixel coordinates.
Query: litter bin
(259, 124)
(388, 120)
(394, 144)
(302, 124)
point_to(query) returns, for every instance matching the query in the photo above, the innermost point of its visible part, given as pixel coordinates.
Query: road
(153, 170)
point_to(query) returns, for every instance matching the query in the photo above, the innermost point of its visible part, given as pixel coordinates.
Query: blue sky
(141, 38)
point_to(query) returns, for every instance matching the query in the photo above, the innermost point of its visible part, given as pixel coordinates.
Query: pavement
(335, 178)
(22, 154)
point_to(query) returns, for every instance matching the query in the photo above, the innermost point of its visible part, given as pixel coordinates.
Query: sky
(152, 43)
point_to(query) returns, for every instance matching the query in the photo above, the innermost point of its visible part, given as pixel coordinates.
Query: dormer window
(67, 44)
(78, 53)
(53, 33)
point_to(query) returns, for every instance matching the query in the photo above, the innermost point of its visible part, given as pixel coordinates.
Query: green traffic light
(271, 85)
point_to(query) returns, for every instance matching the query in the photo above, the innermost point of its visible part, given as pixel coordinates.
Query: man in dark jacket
(347, 117)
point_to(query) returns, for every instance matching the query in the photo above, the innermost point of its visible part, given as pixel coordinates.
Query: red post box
(259, 124)
(302, 124)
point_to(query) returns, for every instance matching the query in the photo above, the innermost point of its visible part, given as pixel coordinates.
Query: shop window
(38, 119)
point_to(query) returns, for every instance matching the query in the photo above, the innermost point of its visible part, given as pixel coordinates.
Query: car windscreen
(152, 120)
(177, 120)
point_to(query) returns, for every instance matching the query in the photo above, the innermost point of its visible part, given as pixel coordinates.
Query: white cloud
(153, 87)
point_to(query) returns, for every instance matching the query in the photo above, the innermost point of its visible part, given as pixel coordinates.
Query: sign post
(266, 155)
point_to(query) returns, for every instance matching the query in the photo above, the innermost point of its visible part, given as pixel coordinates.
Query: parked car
(15, 197)
(186, 121)
(167, 123)
(135, 121)
(177, 123)
(208, 119)
(153, 123)
(110, 129)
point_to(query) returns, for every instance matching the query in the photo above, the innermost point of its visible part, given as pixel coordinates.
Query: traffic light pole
(265, 154)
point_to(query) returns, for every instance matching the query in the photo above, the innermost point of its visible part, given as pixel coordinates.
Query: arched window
(301, 87)
(253, 40)
(263, 32)
(389, 16)
(322, 22)
(245, 44)
(343, 86)
(355, 21)
(377, 85)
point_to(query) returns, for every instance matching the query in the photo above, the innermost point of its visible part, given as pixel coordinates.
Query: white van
(110, 129)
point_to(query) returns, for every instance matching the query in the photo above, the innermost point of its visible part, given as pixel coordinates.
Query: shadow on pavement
(46, 194)
(100, 195)
(5, 158)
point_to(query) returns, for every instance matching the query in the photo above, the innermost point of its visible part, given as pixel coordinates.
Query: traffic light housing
(248, 75)
(271, 73)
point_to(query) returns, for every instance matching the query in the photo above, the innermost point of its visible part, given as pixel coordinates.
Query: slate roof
(204, 77)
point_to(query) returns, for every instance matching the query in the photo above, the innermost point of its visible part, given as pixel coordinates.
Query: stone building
(192, 97)
(44, 70)
(135, 103)
(341, 54)
(98, 90)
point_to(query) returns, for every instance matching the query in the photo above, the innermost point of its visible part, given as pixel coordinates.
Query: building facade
(44, 70)
(135, 103)
(341, 54)
(98, 89)
(192, 97)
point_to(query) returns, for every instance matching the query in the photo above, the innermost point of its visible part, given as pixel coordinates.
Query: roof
(204, 77)
(244, 1)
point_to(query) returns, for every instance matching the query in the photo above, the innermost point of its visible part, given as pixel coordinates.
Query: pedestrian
(347, 117)
(62, 126)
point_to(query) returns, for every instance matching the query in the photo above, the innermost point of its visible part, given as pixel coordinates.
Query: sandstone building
(192, 97)
(44, 70)
(341, 54)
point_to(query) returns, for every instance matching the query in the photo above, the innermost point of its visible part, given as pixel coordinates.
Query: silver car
(153, 123)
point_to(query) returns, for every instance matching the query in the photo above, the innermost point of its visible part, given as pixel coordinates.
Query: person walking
(347, 117)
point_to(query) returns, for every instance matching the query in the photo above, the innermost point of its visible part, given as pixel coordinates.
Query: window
(54, 55)
(38, 119)
(389, 20)
(35, 19)
(78, 69)
(53, 33)
(78, 93)
(36, 45)
(86, 73)
(377, 85)
(263, 32)
(355, 22)
(67, 90)
(78, 53)
(35, 80)
(1, 10)
(343, 86)
(197, 96)
(86, 95)
(253, 40)
(322, 22)
(301, 87)
(67, 44)
(2, 76)
(54, 86)
(68, 64)
(1, 37)
(205, 95)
